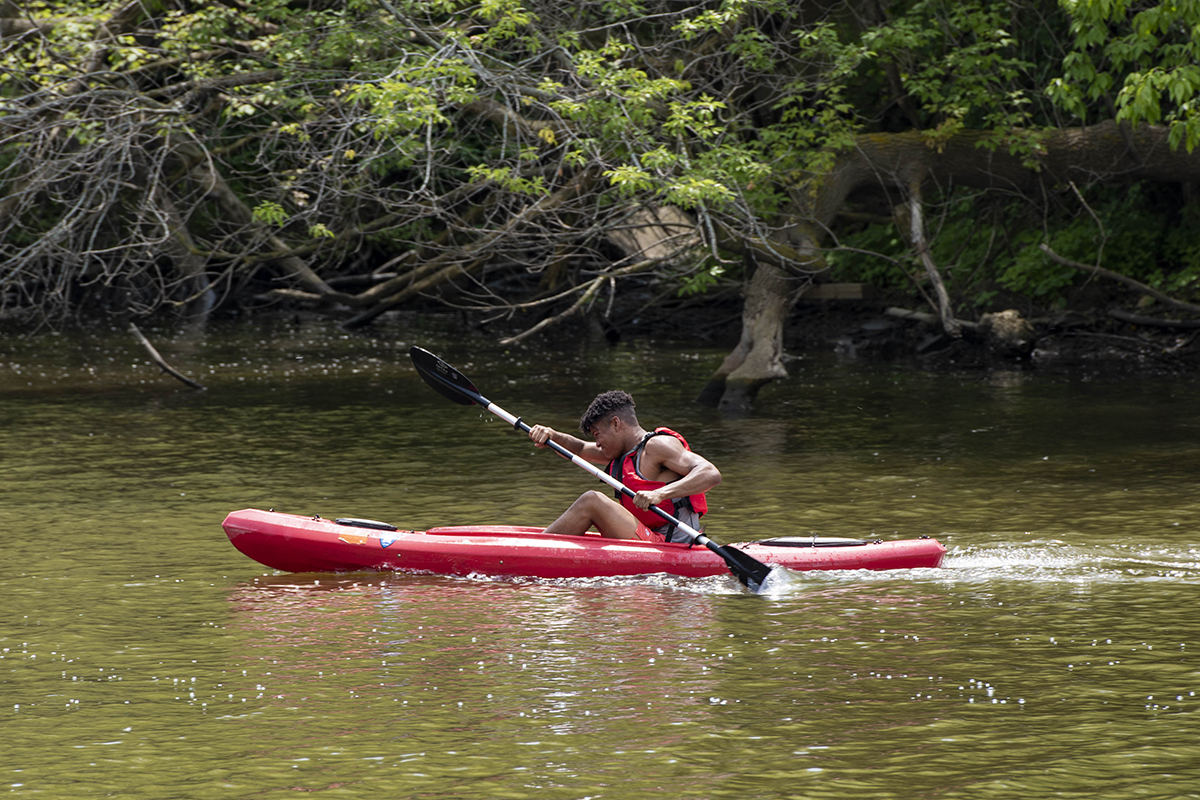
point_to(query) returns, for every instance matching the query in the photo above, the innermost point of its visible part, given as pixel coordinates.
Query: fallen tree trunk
(758, 357)
(900, 163)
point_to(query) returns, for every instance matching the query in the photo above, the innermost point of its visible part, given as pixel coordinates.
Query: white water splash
(780, 582)
(1063, 563)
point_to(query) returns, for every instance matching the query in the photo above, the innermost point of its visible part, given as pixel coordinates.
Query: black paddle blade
(748, 569)
(444, 379)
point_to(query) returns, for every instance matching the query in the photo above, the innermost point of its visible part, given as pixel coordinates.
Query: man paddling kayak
(658, 465)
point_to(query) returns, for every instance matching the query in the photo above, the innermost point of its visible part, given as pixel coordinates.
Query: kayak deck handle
(373, 524)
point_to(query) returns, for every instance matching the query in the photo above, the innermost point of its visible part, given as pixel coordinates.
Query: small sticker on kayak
(386, 541)
(350, 538)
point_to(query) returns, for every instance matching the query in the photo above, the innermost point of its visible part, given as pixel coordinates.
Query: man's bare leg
(593, 508)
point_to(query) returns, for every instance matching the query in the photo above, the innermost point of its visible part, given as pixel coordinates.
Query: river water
(1056, 652)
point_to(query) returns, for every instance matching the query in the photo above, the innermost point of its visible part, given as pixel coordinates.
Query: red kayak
(311, 544)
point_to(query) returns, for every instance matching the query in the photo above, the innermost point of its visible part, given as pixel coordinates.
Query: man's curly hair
(615, 403)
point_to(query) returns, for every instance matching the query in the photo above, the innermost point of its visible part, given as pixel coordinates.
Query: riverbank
(878, 330)
(1060, 341)
(872, 331)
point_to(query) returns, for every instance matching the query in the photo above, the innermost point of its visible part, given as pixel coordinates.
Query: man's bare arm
(667, 454)
(588, 451)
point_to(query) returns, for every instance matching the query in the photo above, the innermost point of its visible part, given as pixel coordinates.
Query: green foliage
(755, 48)
(696, 118)
(1148, 53)
(508, 20)
(271, 213)
(623, 9)
(508, 179)
(700, 281)
(707, 21)
(1026, 270)
(877, 255)
(414, 97)
(960, 60)
(630, 181)
(691, 192)
(983, 247)
(416, 111)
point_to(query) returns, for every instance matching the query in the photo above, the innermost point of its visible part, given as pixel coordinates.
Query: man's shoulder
(663, 441)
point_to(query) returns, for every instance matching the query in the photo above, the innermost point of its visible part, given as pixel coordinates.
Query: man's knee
(592, 499)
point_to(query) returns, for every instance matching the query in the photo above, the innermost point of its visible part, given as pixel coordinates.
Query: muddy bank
(1096, 342)
(1064, 341)
(873, 331)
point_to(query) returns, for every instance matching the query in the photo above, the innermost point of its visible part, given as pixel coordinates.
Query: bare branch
(161, 362)
(588, 292)
(1119, 278)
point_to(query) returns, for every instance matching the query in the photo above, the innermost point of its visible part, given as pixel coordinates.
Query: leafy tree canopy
(161, 152)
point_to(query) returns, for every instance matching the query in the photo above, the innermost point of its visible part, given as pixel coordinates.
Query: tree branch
(1116, 276)
(543, 206)
(158, 359)
(589, 291)
(917, 230)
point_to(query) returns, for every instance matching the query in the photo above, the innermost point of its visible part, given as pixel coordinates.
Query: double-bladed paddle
(454, 386)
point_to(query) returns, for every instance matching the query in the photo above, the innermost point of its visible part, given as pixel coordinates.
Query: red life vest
(625, 470)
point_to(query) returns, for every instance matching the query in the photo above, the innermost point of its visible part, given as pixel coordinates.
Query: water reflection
(1052, 654)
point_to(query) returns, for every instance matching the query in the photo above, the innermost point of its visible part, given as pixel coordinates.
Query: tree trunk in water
(758, 357)
(901, 163)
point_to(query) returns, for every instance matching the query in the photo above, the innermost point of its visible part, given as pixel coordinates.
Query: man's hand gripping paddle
(454, 386)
